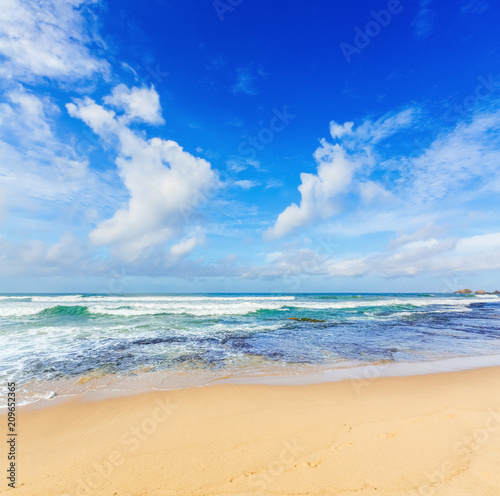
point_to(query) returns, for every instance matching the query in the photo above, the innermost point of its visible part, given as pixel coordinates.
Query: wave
(345, 297)
(220, 306)
(61, 310)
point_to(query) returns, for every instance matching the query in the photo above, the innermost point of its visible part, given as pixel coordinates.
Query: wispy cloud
(241, 164)
(474, 6)
(37, 166)
(424, 21)
(247, 79)
(274, 183)
(468, 154)
(47, 40)
(246, 183)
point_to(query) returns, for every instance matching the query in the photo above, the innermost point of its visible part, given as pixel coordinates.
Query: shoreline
(108, 386)
(66, 345)
(415, 435)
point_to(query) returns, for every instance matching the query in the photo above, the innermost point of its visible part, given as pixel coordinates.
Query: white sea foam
(129, 306)
(225, 331)
(416, 302)
(100, 298)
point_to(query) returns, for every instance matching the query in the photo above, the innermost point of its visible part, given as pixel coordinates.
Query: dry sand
(426, 435)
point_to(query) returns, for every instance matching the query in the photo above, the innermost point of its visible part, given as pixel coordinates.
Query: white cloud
(274, 183)
(459, 166)
(372, 132)
(35, 112)
(241, 164)
(467, 154)
(340, 130)
(337, 164)
(447, 256)
(33, 257)
(401, 259)
(318, 191)
(371, 191)
(185, 247)
(165, 183)
(139, 104)
(246, 184)
(422, 234)
(47, 39)
(39, 172)
(102, 121)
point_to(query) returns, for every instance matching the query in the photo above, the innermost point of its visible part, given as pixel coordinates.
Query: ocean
(52, 339)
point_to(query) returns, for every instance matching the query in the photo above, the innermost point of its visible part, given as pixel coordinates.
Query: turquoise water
(46, 337)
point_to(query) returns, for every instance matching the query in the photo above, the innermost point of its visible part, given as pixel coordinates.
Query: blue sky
(243, 146)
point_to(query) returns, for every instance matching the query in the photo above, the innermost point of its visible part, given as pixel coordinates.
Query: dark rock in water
(496, 291)
(305, 319)
(463, 291)
(480, 291)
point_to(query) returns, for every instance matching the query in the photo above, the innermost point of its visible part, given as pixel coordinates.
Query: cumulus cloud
(459, 166)
(47, 39)
(139, 104)
(336, 167)
(166, 184)
(318, 191)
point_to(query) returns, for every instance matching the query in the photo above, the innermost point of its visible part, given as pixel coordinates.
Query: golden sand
(426, 435)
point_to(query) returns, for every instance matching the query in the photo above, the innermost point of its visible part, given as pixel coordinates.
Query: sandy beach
(434, 434)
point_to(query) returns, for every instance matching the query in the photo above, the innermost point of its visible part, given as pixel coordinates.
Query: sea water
(46, 338)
